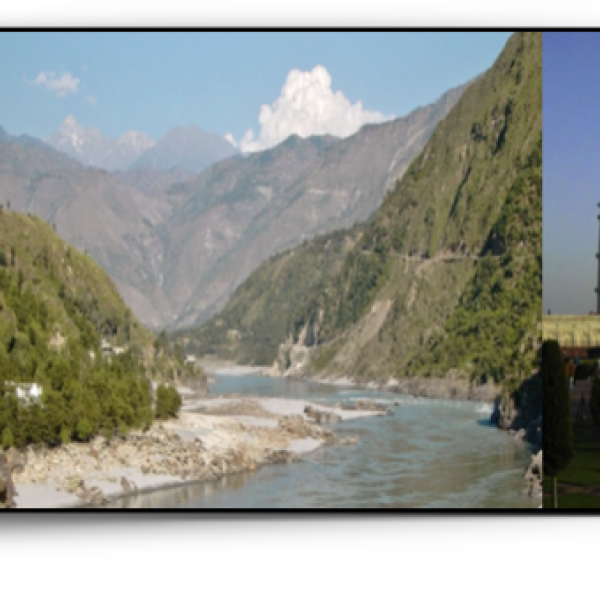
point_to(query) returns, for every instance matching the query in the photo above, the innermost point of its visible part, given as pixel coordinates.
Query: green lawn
(575, 501)
(584, 470)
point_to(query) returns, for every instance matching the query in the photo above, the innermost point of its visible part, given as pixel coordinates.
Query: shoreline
(211, 438)
(488, 395)
(231, 434)
(430, 388)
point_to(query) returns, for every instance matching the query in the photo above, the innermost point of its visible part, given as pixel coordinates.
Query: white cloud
(308, 106)
(231, 140)
(62, 85)
(91, 100)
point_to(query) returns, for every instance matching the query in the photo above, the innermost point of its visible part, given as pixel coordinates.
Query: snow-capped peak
(137, 140)
(72, 133)
(70, 123)
(93, 148)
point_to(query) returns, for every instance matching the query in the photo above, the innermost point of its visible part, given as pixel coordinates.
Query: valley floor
(210, 439)
(422, 387)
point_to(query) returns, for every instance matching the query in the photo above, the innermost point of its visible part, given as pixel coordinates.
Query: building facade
(577, 335)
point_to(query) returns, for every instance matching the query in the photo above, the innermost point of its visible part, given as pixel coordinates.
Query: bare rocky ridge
(242, 212)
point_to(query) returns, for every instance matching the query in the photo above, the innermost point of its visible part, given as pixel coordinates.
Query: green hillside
(265, 308)
(446, 277)
(56, 305)
(492, 332)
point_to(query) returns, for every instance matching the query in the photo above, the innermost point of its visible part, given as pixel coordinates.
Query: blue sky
(152, 82)
(571, 88)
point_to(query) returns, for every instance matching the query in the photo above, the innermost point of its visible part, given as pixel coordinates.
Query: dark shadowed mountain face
(178, 244)
(189, 148)
(92, 148)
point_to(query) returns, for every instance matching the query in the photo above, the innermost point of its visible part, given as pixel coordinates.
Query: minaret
(598, 281)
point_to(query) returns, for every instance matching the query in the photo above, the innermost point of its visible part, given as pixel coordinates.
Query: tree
(558, 433)
(84, 430)
(65, 434)
(168, 402)
(7, 438)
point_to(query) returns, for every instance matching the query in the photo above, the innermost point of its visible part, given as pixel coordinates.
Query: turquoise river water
(430, 454)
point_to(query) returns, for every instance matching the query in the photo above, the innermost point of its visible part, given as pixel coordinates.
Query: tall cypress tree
(558, 433)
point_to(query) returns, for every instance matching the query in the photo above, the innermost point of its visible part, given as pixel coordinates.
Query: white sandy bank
(240, 435)
(236, 370)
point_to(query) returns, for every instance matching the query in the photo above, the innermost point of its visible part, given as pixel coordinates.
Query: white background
(334, 13)
(102, 557)
(151, 556)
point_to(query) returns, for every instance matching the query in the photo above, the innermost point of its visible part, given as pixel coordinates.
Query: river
(430, 454)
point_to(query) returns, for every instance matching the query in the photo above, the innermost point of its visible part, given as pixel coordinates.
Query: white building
(106, 348)
(27, 393)
(190, 359)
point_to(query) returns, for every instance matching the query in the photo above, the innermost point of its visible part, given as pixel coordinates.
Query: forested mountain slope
(446, 279)
(260, 314)
(56, 305)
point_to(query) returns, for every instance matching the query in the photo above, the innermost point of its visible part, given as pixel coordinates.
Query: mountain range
(243, 210)
(188, 148)
(92, 148)
(176, 243)
(183, 148)
(113, 217)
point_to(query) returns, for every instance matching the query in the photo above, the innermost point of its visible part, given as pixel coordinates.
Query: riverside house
(106, 349)
(27, 393)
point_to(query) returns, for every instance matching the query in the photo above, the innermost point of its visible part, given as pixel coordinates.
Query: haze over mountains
(187, 148)
(177, 244)
(92, 148)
